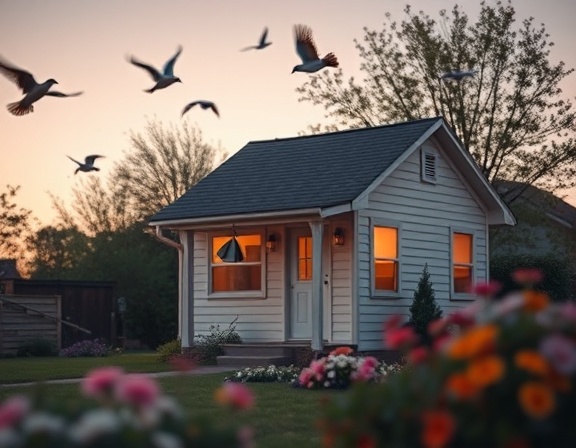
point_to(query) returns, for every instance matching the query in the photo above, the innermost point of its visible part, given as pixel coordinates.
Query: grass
(283, 417)
(23, 370)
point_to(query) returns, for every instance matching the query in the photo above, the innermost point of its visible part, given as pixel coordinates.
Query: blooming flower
(137, 390)
(535, 301)
(536, 399)
(474, 342)
(527, 276)
(531, 361)
(460, 387)
(342, 351)
(13, 410)
(485, 371)
(101, 381)
(438, 428)
(94, 424)
(400, 337)
(560, 351)
(235, 395)
(487, 289)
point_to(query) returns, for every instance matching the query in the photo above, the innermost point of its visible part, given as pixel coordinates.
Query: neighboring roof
(555, 207)
(315, 172)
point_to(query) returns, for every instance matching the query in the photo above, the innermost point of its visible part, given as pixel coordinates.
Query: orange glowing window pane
(304, 258)
(385, 242)
(462, 248)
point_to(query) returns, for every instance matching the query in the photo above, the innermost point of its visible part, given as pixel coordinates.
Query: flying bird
(306, 49)
(164, 79)
(262, 44)
(33, 91)
(458, 75)
(203, 104)
(88, 164)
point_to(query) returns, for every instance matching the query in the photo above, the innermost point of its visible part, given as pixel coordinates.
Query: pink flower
(137, 390)
(418, 355)
(305, 376)
(235, 395)
(366, 369)
(561, 353)
(318, 368)
(400, 337)
(487, 289)
(527, 276)
(370, 361)
(100, 382)
(13, 410)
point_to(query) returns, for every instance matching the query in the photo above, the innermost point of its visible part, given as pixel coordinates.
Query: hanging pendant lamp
(231, 252)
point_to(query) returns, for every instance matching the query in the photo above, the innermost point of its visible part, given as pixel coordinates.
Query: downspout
(180, 248)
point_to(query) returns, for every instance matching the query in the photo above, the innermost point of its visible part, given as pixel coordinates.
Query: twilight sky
(83, 44)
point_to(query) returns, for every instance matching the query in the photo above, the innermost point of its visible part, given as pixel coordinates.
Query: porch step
(253, 360)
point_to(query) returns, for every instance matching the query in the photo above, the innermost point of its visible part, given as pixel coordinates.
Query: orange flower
(535, 301)
(485, 371)
(460, 386)
(342, 351)
(474, 342)
(532, 361)
(537, 399)
(438, 428)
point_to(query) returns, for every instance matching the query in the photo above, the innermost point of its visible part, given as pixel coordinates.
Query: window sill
(230, 295)
(380, 295)
(462, 297)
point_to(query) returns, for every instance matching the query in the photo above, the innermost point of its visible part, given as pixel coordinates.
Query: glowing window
(462, 261)
(245, 275)
(304, 258)
(385, 258)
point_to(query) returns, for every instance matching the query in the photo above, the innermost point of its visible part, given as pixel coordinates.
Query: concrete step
(253, 361)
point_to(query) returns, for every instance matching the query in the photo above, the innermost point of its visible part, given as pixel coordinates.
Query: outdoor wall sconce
(271, 243)
(338, 238)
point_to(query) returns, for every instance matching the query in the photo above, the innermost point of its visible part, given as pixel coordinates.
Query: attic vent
(429, 165)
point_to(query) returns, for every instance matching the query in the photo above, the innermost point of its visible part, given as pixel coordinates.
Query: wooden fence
(25, 317)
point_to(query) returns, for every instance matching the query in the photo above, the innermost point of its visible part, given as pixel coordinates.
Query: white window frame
(425, 152)
(463, 295)
(253, 294)
(381, 293)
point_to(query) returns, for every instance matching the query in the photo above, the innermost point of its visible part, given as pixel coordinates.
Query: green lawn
(23, 370)
(283, 417)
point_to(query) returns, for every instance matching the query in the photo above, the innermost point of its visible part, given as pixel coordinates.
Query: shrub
(86, 348)
(37, 347)
(424, 308)
(208, 347)
(270, 374)
(169, 349)
(557, 273)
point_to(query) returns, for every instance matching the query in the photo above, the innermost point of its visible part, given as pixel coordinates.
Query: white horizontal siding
(426, 213)
(257, 320)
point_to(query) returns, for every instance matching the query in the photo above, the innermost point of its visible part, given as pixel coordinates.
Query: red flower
(400, 337)
(347, 351)
(438, 428)
(527, 276)
(418, 355)
(138, 390)
(235, 395)
(487, 289)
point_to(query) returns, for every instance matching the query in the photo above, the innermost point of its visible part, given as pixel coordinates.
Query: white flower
(169, 406)
(94, 424)
(329, 365)
(326, 383)
(166, 440)
(331, 374)
(42, 422)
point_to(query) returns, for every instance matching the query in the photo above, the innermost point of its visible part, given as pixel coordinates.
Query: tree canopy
(15, 224)
(511, 115)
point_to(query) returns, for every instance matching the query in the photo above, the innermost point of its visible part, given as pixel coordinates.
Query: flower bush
(500, 373)
(128, 410)
(86, 348)
(270, 374)
(340, 369)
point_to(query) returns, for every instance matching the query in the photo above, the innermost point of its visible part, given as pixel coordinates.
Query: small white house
(334, 231)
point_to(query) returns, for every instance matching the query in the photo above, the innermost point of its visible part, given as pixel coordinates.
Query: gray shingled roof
(296, 173)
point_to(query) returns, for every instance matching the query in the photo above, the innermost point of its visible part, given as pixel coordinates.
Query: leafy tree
(424, 308)
(15, 225)
(510, 116)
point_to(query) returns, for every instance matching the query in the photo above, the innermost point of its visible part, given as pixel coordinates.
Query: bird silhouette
(163, 79)
(306, 49)
(262, 44)
(88, 164)
(458, 75)
(33, 91)
(203, 104)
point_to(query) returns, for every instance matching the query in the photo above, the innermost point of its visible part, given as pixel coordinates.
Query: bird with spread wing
(88, 164)
(261, 44)
(33, 91)
(203, 104)
(306, 49)
(163, 79)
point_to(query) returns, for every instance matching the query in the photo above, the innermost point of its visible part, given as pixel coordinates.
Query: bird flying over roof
(88, 164)
(33, 91)
(306, 49)
(163, 79)
(261, 44)
(203, 104)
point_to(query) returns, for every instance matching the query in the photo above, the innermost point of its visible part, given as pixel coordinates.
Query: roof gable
(315, 171)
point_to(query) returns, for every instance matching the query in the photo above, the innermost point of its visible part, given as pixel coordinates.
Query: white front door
(300, 306)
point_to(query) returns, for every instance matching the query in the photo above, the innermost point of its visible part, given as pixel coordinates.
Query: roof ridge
(344, 131)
